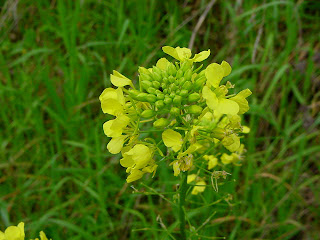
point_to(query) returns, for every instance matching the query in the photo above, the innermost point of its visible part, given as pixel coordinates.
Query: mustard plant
(180, 107)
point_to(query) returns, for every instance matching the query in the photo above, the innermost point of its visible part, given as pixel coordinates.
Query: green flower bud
(142, 97)
(179, 74)
(175, 111)
(184, 92)
(165, 91)
(165, 80)
(156, 70)
(145, 84)
(171, 79)
(171, 69)
(156, 76)
(159, 104)
(188, 74)
(151, 98)
(133, 93)
(151, 90)
(164, 74)
(195, 109)
(161, 123)
(185, 66)
(172, 95)
(218, 133)
(199, 83)
(187, 85)
(148, 113)
(160, 96)
(143, 70)
(177, 100)
(167, 100)
(156, 84)
(193, 97)
(145, 77)
(181, 81)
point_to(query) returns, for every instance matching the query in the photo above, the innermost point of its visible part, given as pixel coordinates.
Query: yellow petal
(199, 57)
(191, 178)
(212, 161)
(14, 233)
(118, 80)
(214, 74)
(176, 168)
(245, 129)
(170, 51)
(227, 106)
(199, 189)
(107, 94)
(108, 130)
(134, 175)
(240, 99)
(112, 106)
(141, 155)
(43, 236)
(226, 159)
(116, 144)
(226, 68)
(127, 161)
(2, 236)
(210, 97)
(162, 63)
(231, 142)
(172, 139)
(183, 53)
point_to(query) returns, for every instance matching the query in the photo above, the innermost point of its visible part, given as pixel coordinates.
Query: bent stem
(182, 197)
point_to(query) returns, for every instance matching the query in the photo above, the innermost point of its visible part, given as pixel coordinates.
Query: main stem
(182, 197)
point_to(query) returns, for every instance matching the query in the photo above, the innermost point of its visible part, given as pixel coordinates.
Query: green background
(55, 171)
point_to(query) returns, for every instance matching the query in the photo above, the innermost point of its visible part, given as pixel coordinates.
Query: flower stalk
(182, 200)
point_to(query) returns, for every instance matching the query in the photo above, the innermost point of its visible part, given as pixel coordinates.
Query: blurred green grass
(56, 173)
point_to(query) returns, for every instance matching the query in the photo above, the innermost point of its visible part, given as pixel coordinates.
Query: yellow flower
(233, 157)
(219, 104)
(183, 54)
(241, 100)
(13, 233)
(114, 128)
(231, 142)
(172, 139)
(116, 144)
(201, 184)
(215, 72)
(162, 63)
(212, 161)
(119, 80)
(138, 161)
(42, 236)
(112, 101)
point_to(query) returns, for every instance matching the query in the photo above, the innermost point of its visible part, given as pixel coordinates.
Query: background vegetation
(55, 171)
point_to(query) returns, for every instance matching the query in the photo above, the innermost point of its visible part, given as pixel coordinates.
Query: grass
(56, 173)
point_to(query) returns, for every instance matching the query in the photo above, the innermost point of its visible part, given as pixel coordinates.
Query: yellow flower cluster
(189, 106)
(17, 233)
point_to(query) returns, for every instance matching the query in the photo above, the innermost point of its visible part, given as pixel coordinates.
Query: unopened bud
(193, 97)
(199, 83)
(151, 98)
(151, 90)
(171, 69)
(145, 84)
(145, 77)
(179, 74)
(159, 104)
(218, 133)
(167, 100)
(195, 109)
(184, 92)
(160, 96)
(177, 100)
(175, 111)
(148, 113)
(161, 123)
(187, 85)
(156, 76)
(156, 84)
(142, 97)
(133, 93)
(188, 74)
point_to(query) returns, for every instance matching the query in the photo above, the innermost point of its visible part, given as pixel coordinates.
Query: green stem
(182, 197)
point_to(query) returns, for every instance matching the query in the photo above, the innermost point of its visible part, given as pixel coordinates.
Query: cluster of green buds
(183, 102)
